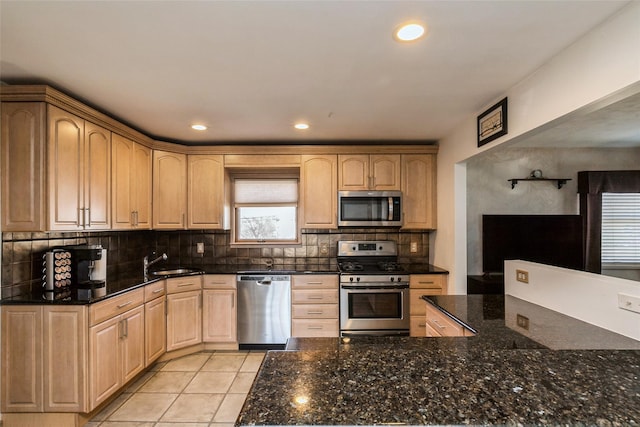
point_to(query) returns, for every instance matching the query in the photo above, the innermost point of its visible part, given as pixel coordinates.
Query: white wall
(589, 297)
(597, 69)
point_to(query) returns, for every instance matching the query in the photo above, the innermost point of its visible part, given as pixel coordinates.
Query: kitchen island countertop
(498, 377)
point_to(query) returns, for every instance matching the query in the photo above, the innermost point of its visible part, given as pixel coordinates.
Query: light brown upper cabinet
(369, 172)
(169, 190)
(75, 193)
(206, 183)
(419, 191)
(318, 191)
(131, 183)
(79, 173)
(23, 171)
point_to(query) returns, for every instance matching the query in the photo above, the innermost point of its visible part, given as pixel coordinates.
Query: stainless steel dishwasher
(264, 309)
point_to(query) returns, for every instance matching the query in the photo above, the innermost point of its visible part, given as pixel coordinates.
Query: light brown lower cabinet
(116, 353)
(314, 305)
(439, 324)
(184, 312)
(419, 285)
(219, 311)
(155, 321)
(44, 359)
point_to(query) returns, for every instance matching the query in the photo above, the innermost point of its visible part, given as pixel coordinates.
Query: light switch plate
(522, 276)
(629, 302)
(200, 247)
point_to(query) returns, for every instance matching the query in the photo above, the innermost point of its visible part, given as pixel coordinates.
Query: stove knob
(399, 279)
(357, 279)
(392, 279)
(351, 279)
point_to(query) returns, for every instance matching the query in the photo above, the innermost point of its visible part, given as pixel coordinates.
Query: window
(621, 229)
(266, 210)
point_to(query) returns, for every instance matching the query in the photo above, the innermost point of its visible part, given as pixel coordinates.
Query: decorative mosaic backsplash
(22, 252)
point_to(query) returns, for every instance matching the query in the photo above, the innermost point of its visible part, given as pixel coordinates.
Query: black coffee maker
(87, 262)
(83, 261)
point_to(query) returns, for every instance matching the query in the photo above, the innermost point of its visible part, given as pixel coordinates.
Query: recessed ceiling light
(198, 127)
(409, 32)
(301, 126)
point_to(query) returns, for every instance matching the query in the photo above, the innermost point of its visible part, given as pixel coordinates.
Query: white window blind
(621, 228)
(265, 210)
(269, 191)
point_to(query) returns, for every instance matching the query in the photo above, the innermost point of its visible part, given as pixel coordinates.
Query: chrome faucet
(146, 263)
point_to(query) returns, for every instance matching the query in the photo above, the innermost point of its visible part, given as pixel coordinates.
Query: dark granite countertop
(498, 377)
(130, 282)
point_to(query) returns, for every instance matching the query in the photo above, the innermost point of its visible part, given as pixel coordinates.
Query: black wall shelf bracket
(559, 181)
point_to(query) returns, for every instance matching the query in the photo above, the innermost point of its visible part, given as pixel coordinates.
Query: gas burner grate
(351, 266)
(389, 266)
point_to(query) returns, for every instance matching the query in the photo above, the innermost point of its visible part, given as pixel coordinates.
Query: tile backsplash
(22, 252)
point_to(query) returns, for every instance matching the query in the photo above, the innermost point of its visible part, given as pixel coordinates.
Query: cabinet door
(22, 359)
(65, 358)
(155, 329)
(132, 343)
(353, 172)
(205, 202)
(122, 180)
(219, 316)
(419, 191)
(385, 171)
(66, 174)
(23, 172)
(319, 191)
(97, 189)
(184, 319)
(141, 187)
(169, 190)
(105, 373)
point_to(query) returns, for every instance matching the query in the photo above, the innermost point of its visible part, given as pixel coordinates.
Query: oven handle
(373, 287)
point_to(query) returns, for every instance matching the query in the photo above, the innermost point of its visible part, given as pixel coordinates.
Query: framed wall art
(492, 123)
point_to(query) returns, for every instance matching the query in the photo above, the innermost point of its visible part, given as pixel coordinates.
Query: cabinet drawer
(314, 327)
(428, 281)
(444, 325)
(320, 296)
(315, 281)
(154, 290)
(416, 304)
(104, 310)
(314, 311)
(219, 281)
(184, 284)
(418, 326)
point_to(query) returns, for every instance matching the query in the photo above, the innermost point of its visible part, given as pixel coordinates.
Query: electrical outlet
(200, 247)
(522, 321)
(629, 302)
(414, 247)
(522, 276)
(324, 249)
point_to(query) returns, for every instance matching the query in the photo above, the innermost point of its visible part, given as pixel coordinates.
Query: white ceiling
(250, 69)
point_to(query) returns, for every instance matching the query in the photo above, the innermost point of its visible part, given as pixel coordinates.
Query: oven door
(374, 309)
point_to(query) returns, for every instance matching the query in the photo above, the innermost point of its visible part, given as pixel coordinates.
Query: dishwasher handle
(265, 282)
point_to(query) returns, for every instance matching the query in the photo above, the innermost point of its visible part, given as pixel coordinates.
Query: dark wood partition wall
(591, 185)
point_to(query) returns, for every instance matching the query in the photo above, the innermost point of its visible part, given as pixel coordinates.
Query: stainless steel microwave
(369, 208)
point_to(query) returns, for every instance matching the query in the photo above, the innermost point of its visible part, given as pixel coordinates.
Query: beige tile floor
(200, 390)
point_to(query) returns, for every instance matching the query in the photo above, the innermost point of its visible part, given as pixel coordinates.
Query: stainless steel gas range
(374, 289)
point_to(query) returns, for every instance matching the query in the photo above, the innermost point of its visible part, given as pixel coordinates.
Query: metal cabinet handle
(125, 304)
(315, 297)
(315, 327)
(157, 291)
(315, 312)
(182, 285)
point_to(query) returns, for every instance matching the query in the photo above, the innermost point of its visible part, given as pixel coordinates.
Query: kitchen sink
(175, 272)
